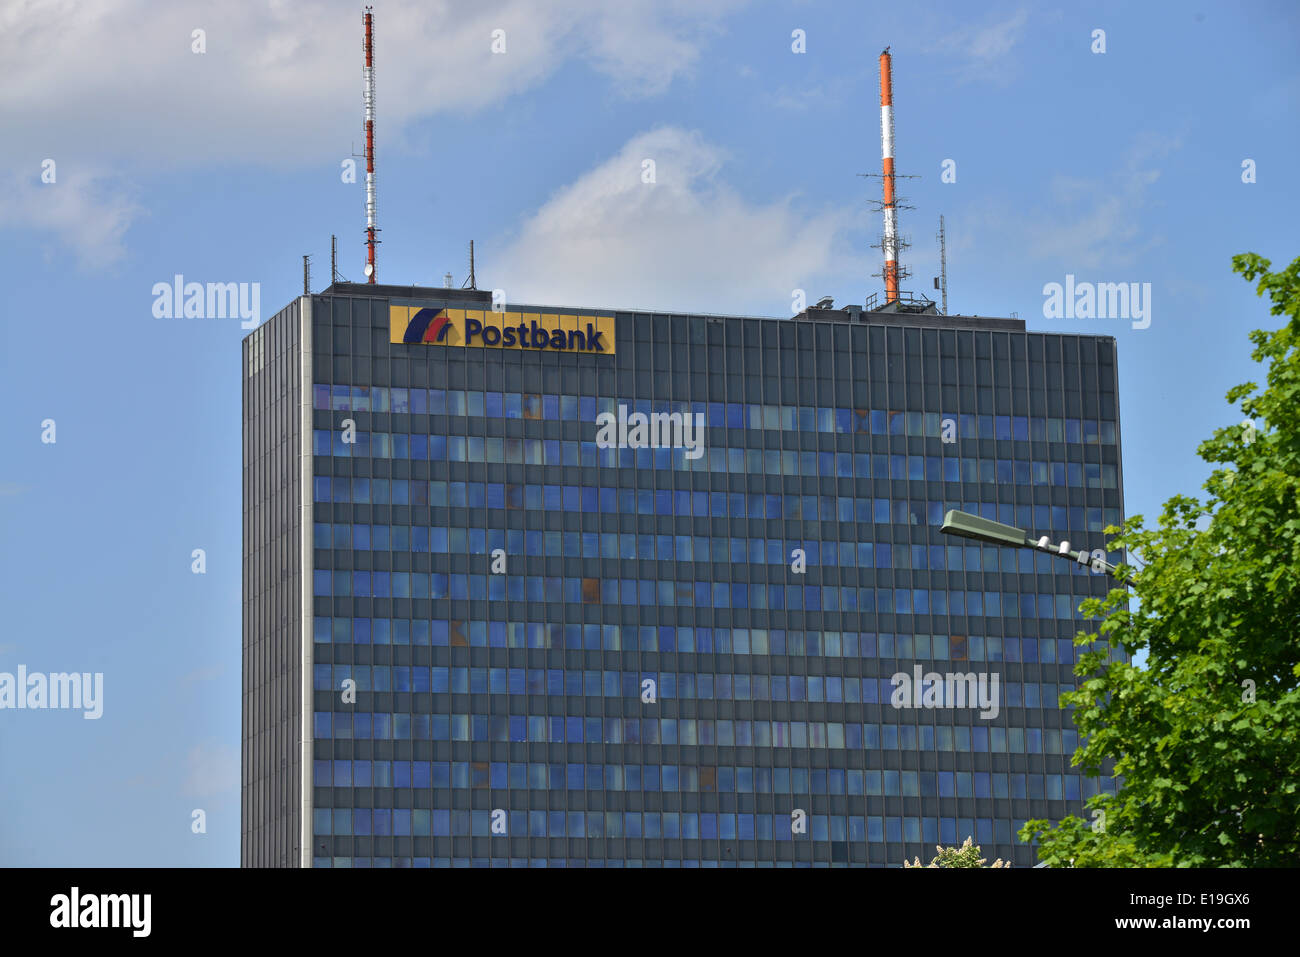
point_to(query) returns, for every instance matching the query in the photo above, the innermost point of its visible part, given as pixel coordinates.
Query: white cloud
(281, 82)
(84, 210)
(206, 673)
(211, 769)
(997, 39)
(644, 46)
(1097, 222)
(688, 241)
(1082, 223)
(982, 51)
(823, 96)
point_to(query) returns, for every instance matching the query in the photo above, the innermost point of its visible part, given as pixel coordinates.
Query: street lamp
(965, 525)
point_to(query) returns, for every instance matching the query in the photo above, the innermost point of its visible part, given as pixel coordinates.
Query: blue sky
(225, 166)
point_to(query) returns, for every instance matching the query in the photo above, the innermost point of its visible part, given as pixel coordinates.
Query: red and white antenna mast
(369, 75)
(890, 243)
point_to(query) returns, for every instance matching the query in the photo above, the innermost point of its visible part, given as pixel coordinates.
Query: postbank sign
(486, 329)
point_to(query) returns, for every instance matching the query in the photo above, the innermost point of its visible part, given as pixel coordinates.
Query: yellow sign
(485, 329)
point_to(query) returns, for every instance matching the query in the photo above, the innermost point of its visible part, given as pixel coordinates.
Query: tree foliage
(1205, 738)
(964, 856)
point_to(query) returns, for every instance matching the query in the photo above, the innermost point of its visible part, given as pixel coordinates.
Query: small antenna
(306, 275)
(473, 283)
(943, 265)
(447, 280)
(335, 275)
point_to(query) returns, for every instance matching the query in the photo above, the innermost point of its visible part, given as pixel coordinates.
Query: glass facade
(530, 648)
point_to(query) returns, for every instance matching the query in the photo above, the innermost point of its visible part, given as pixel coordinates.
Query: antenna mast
(471, 282)
(369, 76)
(335, 275)
(306, 275)
(943, 265)
(889, 244)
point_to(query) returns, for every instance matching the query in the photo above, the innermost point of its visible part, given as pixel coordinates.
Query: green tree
(964, 856)
(1206, 737)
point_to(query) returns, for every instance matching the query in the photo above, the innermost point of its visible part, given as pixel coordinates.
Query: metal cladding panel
(272, 586)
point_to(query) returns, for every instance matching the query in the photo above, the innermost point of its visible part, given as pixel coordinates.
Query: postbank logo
(485, 329)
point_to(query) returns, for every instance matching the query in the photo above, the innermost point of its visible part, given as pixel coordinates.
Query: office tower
(587, 587)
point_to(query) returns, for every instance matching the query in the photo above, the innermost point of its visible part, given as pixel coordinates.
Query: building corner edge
(306, 625)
